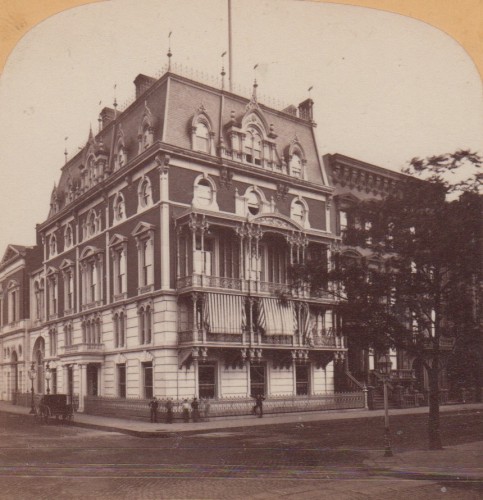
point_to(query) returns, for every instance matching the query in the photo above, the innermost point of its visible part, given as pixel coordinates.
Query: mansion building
(163, 267)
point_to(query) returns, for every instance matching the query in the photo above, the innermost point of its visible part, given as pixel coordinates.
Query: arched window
(204, 192)
(91, 224)
(52, 246)
(145, 193)
(68, 236)
(145, 333)
(121, 331)
(253, 202)
(119, 208)
(202, 138)
(299, 211)
(121, 158)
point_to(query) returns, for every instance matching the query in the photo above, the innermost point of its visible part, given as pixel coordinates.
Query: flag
(224, 54)
(310, 88)
(169, 36)
(65, 138)
(115, 85)
(255, 67)
(100, 102)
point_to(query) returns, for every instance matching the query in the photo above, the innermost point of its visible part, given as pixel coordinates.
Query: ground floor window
(257, 379)
(207, 381)
(148, 380)
(53, 380)
(302, 380)
(121, 380)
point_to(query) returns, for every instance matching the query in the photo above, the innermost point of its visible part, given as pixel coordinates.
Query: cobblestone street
(312, 460)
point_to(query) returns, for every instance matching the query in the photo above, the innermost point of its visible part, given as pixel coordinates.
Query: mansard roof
(173, 107)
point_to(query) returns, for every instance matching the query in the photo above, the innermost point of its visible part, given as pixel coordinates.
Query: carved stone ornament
(162, 160)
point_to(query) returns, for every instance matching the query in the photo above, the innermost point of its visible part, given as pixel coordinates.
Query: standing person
(186, 411)
(169, 411)
(259, 405)
(195, 406)
(153, 406)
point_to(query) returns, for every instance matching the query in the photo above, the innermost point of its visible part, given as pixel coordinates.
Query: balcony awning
(224, 313)
(276, 318)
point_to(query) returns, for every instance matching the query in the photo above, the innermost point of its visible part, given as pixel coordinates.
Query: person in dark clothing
(169, 411)
(186, 411)
(259, 399)
(153, 406)
(195, 407)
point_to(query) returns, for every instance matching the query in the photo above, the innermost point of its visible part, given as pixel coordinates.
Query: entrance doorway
(92, 380)
(257, 380)
(206, 381)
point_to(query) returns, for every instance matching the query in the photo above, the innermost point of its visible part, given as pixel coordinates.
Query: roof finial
(169, 51)
(115, 101)
(65, 149)
(255, 84)
(223, 73)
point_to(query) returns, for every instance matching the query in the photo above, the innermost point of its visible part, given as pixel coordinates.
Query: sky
(386, 87)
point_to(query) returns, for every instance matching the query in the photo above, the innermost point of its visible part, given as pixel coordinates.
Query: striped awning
(276, 317)
(224, 313)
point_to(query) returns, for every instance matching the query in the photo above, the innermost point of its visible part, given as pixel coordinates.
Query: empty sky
(386, 87)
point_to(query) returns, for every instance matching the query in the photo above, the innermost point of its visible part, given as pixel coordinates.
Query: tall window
(148, 380)
(202, 138)
(203, 192)
(68, 335)
(68, 290)
(52, 290)
(52, 246)
(119, 330)
(145, 260)
(145, 193)
(121, 380)
(342, 221)
(302, 380)
(119, 208)
(145, 325)
(39, 300)
(91, 279)
(68, 236)
(53, 342)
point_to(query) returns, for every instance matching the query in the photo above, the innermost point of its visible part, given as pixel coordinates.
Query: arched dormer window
(299, 212)
(204, 193)
(202, 138)
(121, 155)
(145, 194)
(68, 236)
(119, 208)
(202, 132)
(252, 147)
(52, 245)
(296, 159)
(146, 129)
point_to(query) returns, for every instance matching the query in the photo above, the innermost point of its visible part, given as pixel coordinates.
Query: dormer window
(253, 147)
(119, 208)
(296, 165)
(146, 130)
(253, 203)
(202, 138)
(145, 196)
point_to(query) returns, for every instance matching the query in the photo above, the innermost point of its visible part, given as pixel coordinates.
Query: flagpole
(230, 55)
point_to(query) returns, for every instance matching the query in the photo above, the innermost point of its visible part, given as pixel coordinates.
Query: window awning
(224, 313)
(276, 318)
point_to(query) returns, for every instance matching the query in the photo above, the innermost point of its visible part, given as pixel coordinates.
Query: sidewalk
(461, 462)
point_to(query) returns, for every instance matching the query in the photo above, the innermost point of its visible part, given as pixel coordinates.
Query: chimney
(306, 110)
(142, 83)
(106, 116)
(290, 110)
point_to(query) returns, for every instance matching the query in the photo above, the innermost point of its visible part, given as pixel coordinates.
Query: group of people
(193, 409)
(189, 409)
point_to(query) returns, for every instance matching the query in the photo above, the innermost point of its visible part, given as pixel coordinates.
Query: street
(312, 460)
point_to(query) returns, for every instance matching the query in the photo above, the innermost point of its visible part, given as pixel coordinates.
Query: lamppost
(32, 373)
(384, 366)
(48, 376)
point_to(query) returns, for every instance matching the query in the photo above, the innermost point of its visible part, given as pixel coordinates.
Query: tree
(405, 282)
